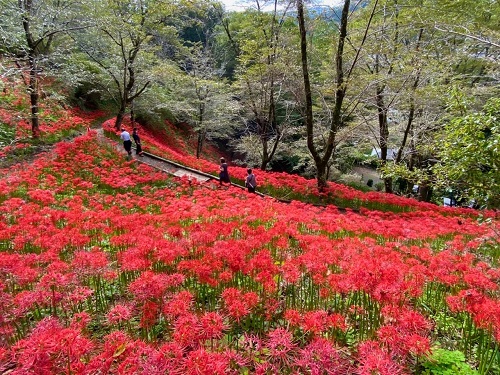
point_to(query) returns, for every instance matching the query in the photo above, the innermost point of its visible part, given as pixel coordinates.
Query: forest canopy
(285, 85)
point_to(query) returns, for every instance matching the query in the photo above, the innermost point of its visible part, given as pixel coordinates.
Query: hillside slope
(109, 266)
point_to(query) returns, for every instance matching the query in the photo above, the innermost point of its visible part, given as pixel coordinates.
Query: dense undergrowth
(109, 266)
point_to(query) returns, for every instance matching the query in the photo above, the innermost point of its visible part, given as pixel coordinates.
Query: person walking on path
(127, 143)
(250, 182)
(137, 140)
(223, 174)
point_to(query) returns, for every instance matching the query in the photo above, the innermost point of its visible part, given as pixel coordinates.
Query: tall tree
(29, 29)
(322, 153)
(121, 45)
(415, 79)
(393, 61)
(262, 40)
(203, 99)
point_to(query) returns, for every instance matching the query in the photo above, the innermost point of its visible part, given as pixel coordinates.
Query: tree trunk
(384, 133)
(265, 158)
(321, 161)
(322, 176)
(33, 52)
(424, 193)
(200, 142)
(119, 118)
(34, 96)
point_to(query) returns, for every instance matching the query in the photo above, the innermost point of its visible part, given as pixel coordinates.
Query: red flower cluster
(111, 267)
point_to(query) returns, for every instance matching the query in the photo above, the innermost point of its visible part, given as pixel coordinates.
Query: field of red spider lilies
(110, 267)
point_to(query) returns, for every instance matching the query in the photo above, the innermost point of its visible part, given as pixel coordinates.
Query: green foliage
(446, 362)
(470, 155)
(379, 186)
(350, 154)
(94, 46)
(263, 44)
(359, 186)
(7, 134)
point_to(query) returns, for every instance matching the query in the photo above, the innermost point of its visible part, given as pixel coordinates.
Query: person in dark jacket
(250, 182)
(223, 174)
(138, 144)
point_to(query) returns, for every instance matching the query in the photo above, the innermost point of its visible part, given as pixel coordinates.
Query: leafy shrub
(350, 178)
(447, 362)
(379, 186)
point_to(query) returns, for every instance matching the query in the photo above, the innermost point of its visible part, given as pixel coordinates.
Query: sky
(235, 5)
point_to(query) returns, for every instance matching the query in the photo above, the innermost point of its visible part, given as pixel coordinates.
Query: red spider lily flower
(135, 259)
(487, 315)
(117, 345)
(179, 304)
(321, 356)
(281, 346)
(167, 251)
(201, 269)
(293, 317)
(251, 299)
(225, 276)
(172, 355)
(251, 344)
(4, 358)
(455, 304)
(110, 275)
(234, 253)
(44, 197)
(119, 313)
(202, 362)
(314, 321)
(211, 326)
(80, 321)
(271, 307)
(291, 271)
(263, 368)
(337, 321)
(405, 331)
(143, 359)
(150, 310)
(263, 269)
(418, 345)
(237, 303)
(27, 299)
(485, 311)
(478, 279)
(373, 360)
(78, 295)
(390, 337)
(186, 330)
(21, 267)
(51, 347)
(407, 319)
(88, 263)
(153, 286)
